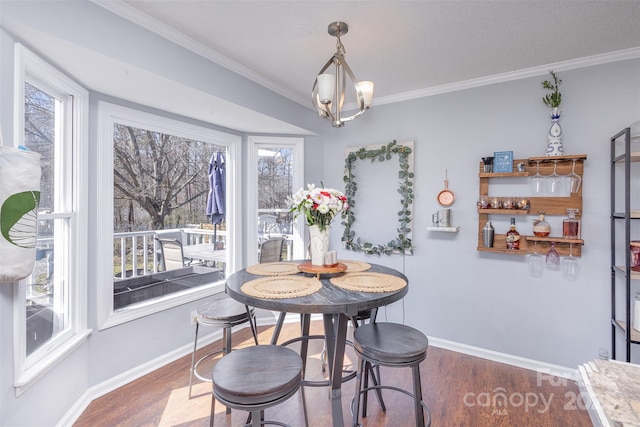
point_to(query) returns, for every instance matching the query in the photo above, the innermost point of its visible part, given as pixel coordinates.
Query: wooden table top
(329, 299)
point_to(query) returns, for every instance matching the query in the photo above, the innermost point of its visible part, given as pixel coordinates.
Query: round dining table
(336, 304)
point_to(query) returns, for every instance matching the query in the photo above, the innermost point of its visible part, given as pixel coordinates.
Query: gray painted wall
(484, 299)
(457, 294)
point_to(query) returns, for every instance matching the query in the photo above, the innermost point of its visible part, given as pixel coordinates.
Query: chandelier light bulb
(326, 86)
(366, 88)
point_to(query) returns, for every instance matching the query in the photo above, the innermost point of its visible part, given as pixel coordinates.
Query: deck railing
(140, 249)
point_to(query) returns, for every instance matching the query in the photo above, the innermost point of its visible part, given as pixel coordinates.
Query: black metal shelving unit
(622, 161)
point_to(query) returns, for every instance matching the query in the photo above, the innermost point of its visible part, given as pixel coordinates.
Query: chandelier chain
(340, 47)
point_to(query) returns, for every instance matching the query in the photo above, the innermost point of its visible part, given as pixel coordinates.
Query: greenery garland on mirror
(402, 243)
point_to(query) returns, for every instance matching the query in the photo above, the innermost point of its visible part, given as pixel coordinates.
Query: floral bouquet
(319, 205)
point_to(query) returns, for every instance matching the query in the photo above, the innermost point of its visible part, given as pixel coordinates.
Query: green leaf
(18, 216)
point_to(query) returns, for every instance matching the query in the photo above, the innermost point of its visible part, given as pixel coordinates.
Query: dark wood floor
(460, 390)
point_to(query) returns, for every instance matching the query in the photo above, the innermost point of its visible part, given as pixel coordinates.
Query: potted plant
(553, 99)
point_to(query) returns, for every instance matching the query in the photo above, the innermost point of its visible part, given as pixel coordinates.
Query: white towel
(19, 197)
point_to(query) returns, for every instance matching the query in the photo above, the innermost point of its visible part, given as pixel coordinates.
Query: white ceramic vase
(318, 244)
(554, 137)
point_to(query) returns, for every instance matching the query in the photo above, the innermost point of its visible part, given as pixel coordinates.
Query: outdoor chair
(171, 234)
(271, 250)
(171, 254)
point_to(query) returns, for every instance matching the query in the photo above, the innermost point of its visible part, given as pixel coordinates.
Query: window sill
(27, 378)
(130, 313)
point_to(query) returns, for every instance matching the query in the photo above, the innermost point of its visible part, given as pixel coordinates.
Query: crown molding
(605, 58)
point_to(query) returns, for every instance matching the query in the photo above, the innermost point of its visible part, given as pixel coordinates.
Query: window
(51, 119)
(154, 182)
(276, 172)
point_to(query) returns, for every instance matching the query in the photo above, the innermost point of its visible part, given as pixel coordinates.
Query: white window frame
(110, 114)
(254, 143)
(71, 162)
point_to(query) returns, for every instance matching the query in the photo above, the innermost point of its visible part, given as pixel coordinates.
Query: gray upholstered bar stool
(392, 345)
(223, 313)
(256, 378)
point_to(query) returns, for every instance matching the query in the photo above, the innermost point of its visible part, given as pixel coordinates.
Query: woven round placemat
(369, 282)
(281, 287)
(279, 268)
(356, 266)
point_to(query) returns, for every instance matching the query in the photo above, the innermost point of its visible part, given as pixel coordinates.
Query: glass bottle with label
(541, 228)
(513, 237)
(571, 225)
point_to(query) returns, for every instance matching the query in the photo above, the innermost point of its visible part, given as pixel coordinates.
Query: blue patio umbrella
(217, 191)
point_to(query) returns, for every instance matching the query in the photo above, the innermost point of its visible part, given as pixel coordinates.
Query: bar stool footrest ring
(206, 356)
(388, 387)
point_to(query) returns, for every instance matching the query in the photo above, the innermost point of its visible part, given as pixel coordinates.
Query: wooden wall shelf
(560, 240)
(550, 205)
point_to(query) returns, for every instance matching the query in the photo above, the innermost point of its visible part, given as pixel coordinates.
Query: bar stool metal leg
(417, 395)
(193, 358)
(392, 345)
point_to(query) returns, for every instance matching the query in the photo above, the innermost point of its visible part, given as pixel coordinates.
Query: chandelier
(328, 90)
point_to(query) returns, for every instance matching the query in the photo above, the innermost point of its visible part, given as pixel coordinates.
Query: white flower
(319, 205)
(323, 208)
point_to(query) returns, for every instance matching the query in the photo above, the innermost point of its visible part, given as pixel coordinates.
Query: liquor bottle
(541, 228)
(513, 237)
(571, 225)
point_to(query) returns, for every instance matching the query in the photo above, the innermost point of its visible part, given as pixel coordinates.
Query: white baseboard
(132, 374)
(263, 317)
(509, 359)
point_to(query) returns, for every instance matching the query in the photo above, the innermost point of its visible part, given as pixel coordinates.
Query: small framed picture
(503, 161)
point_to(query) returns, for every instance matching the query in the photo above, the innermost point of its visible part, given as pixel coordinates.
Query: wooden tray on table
(307, 267)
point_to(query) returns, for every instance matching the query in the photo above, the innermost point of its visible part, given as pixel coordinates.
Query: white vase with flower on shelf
(554, 138)
(553, 101)
(318, 244)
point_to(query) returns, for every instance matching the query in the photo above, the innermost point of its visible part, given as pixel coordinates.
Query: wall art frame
(403, 154)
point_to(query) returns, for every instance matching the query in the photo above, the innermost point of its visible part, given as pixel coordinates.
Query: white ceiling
(408, 48)
(403, 46)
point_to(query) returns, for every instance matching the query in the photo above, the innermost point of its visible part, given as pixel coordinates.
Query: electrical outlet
(193, 316)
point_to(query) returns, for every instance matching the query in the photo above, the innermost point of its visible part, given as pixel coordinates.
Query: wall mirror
(379, 187)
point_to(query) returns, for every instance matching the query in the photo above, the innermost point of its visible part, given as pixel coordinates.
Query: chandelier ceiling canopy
(328, 93)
